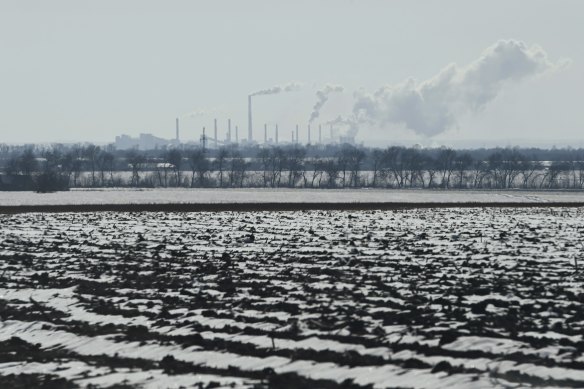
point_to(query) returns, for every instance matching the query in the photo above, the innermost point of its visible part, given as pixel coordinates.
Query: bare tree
(528, 169)
(237, 169)
(53, 160)
(431, 169)
(461, 164)
(174, 158)
(445, 162)
(317, 171)
(555, 171)
(331, 169)
(51, 177)
(504, 166)
(135, 162)
(264, 157)
(12, 166)
(27, 163)
(580, 168)
(482, 172)
(343, 163)
(104, 162)
(377, 163)
(90, 153)
(296, 166)
(162, 169)
(199, 166)
(278, 162)
(109, 161)
(394, 166)
(220, 162)
(413, 163)
(354, 158)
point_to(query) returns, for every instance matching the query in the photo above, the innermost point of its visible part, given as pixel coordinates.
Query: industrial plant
(229, 135)
(225, 134)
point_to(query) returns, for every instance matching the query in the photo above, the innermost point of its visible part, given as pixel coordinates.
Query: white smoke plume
(290, 87)
(322, 97)
(349, 126)
(432, 106)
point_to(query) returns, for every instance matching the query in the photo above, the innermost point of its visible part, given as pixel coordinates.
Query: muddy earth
(424, 298)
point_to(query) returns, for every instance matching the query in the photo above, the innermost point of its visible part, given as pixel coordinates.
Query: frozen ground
(210, 196)
(448, 298)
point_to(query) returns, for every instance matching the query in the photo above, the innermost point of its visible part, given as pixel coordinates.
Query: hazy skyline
(88, 71)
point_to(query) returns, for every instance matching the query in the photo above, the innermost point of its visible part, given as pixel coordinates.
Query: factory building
(143, 142)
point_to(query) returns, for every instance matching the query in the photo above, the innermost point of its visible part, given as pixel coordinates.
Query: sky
(451, 72)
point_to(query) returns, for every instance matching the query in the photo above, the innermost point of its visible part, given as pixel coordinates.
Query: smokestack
(236, 134)
(265, 133)
(309, 134)
(215, 132)
(331, 133)
(177, 135)
(204, 139)
(249, 125)
(297, 133)
(276, 134)
(320, 133)
(228, 130)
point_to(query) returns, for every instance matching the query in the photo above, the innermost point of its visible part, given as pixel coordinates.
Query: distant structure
(249, 122)
(276, 134)
(143, 142)
(177, 134)
(215, 133)
(229, 130)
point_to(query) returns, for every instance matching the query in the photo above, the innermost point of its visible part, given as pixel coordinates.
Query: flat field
(235, 196)
(426, 298)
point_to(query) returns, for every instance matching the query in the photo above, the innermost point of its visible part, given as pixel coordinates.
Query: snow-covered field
(447, 298)
(211, 196)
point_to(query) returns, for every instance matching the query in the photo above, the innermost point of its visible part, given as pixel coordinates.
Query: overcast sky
(90, 70)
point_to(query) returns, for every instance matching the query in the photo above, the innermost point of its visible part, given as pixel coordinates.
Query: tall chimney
(236, 134)
(297, 133)
(276, 134)
(228, 130)
(309, 134)
(204, 139)
(177, 135)
(265, 133)
(215, 124)
(249, 125)
(331, 133)
(320, 133)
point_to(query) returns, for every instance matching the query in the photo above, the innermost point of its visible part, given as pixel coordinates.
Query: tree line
(60, 167)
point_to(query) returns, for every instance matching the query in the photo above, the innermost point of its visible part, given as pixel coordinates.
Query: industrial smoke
(322, 97)
(350, 125)
(290, 87)
(433, 106)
